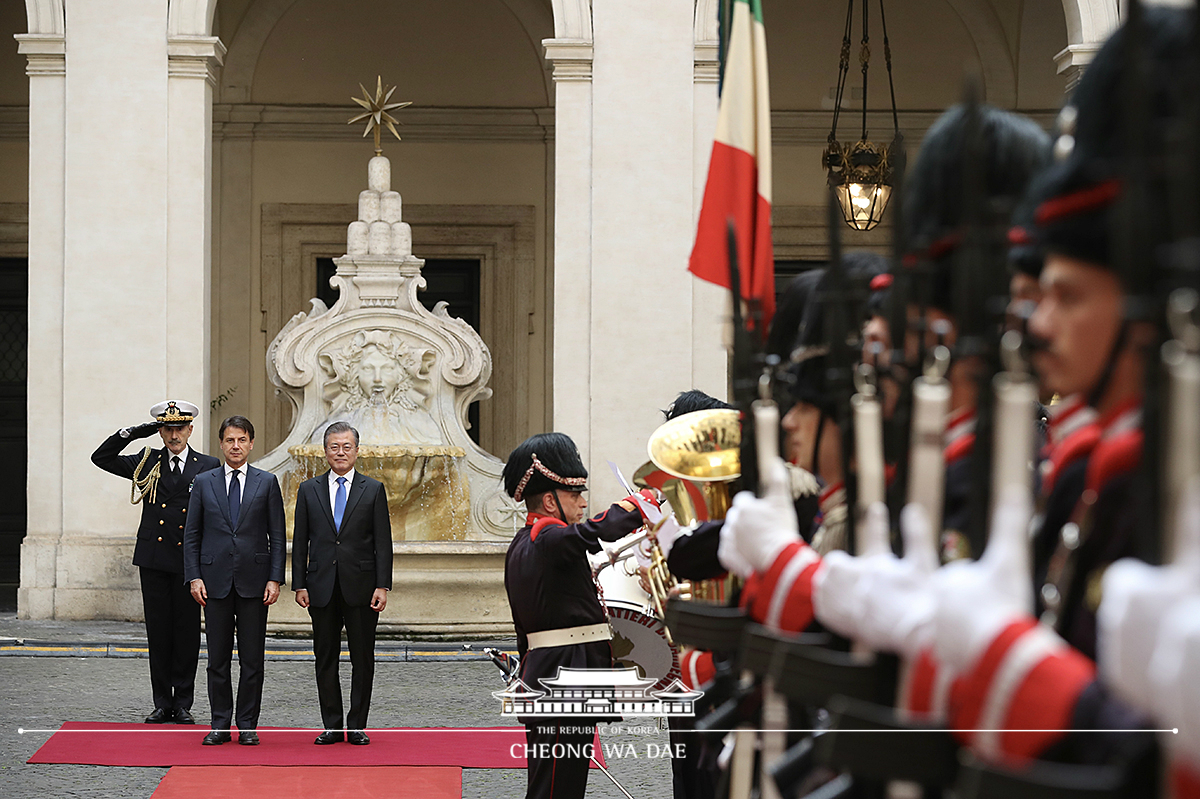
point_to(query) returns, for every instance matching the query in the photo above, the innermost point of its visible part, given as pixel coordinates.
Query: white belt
(570, 635)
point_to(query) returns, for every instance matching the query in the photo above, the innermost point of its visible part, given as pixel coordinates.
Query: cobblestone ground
(41, 693)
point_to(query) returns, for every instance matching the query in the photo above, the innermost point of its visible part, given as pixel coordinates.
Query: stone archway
(573, 19)
(190, 17)
(237, 77)
(1089, 23)
(45, 17)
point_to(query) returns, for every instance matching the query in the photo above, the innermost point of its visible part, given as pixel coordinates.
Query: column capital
(572, 58)
(195, 57)
(1073, 59)
(45, 53)
(706, 67)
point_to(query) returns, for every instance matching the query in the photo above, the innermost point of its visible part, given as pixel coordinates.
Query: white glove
(759, 529)
(1175, 692)
(727, 553)
(898, 596)
(1136, 599)
(976, 600)
(837, 595)
(667, 533)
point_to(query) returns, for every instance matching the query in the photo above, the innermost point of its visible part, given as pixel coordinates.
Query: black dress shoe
(358, 738)
(184, 716)
(329, 737)
(248, 738)
(159, 716)
(216, 738)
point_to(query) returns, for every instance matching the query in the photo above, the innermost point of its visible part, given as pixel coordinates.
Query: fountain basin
(428, 495)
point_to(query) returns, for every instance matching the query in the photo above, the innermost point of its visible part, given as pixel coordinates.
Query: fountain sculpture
(404, 376)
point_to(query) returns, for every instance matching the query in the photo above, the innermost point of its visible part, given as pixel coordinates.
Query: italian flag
(739, 174)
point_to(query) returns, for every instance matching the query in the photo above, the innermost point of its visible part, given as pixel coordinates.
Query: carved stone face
(377, 374)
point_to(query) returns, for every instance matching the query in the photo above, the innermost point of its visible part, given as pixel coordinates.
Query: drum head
(641, 640)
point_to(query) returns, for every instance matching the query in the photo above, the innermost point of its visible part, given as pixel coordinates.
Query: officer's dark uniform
(550, 587)
(172, 615)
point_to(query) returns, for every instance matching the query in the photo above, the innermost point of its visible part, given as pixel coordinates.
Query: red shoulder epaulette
(960, 448)
(541, 523)
(1078, 444)
(1114, 457)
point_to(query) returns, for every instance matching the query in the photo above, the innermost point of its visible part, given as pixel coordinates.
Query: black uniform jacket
(549, 584)
(359, 555)
(160, 534)
(241, 559)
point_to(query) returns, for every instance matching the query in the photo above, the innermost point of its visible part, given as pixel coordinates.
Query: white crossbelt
(570, 635)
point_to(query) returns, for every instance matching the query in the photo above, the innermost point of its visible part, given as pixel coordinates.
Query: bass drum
(640, 639)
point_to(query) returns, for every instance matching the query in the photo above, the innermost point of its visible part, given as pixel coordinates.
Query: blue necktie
(339, 503)
(235, 498)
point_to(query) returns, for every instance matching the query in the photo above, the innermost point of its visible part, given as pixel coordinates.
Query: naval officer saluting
(162, 480)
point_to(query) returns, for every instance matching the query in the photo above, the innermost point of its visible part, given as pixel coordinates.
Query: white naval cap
(174, 413)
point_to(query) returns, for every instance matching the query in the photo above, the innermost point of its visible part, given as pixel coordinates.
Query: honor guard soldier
(556, 609)
(161, 482)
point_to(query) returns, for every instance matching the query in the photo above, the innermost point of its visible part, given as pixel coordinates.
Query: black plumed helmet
(1014, 148)
(1025, 254)
(811, 356)
(543, 463)
(1076, 200)
(789, 313)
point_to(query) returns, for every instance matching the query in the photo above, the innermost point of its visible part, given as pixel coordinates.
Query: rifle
(1132, 245)
(975, 262)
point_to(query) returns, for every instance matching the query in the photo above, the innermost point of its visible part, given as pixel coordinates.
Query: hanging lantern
(861, 172)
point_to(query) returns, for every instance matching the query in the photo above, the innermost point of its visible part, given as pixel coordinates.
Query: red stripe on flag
(732, 191)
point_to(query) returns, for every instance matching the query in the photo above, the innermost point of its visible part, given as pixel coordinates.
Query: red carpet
(153, 745)
(391, 781)
(328, 782)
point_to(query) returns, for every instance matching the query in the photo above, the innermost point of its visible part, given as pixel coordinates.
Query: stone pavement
(52, 672)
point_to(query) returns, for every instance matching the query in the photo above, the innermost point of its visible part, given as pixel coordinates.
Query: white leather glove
(759, 529)
(1136, 599)
(1175, 692)
(727, 553)
(837, 595)
(898, 596)
(976, 600)
(667, 533)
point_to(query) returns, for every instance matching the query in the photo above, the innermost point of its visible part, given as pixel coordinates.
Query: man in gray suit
(234, 548)
(341, 572)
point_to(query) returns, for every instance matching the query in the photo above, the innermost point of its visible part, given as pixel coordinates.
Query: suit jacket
(359, 555)
(160, 534)
(229, 559)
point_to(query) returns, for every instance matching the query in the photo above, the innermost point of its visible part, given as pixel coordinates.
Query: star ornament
(377, 109)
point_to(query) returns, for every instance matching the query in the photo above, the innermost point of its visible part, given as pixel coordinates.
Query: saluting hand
(271, 593)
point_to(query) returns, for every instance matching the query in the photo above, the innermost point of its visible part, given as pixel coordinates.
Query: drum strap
(570, 635)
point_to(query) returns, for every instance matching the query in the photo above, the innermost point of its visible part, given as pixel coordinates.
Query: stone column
(191, 67)
(572, 258)
(46, 69)
(643, 226)
(710, 303)
(119, 349)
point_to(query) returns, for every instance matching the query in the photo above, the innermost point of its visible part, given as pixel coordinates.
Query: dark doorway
(454, 281)
(14, 336)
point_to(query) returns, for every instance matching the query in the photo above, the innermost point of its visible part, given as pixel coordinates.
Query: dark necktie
(175, 465)
(235, 498)
(339, 503)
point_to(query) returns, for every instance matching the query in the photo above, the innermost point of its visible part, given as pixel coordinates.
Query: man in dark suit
(342, 572)
(162, 482)
(233, 559)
